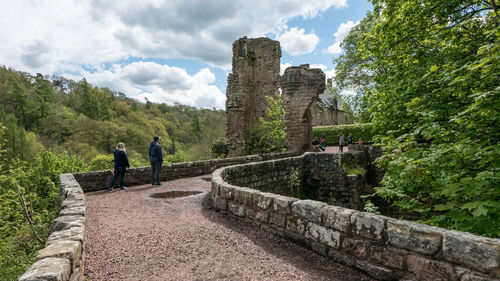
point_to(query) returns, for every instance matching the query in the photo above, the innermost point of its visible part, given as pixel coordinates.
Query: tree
(435, 104)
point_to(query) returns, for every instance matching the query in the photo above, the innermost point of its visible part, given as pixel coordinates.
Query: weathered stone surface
(341, 257)
(236, 209)
(74, 211)
(244, 195)
(319, 248)
(255, 75)
(66, 222)
(414, 236)
(477, 277)
(262, 216)
(283, 204)
(65, 249)
(295, 224)
(376, 271)
(337, 217)
(277, 219)
(356, 247)
(323, 235)
(263, 200)
(477, 252)
(368, 225)
(301, 87)
(426, 269)
(50, 269)
(308, 209)
(387, 257)
(221, 204)
(73, 203)
(226, 191)
(72, 234)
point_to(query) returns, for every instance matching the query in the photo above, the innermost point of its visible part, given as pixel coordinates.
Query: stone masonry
(301, 86)
(256, 74)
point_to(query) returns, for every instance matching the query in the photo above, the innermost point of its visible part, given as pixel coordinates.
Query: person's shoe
(110, 189)
(123, 188)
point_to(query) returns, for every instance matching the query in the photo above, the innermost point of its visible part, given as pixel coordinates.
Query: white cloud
(296, 42)
(283, 67)
(341, 33)
(160, 83)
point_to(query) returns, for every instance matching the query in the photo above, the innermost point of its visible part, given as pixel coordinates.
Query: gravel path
(131, 236)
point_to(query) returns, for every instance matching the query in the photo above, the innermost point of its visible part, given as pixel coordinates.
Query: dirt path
(132, 236)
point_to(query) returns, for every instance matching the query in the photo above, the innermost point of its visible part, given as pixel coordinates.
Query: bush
(363, 131)
(218, 148)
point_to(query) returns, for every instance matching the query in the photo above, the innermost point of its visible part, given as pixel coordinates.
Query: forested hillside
(60, 126)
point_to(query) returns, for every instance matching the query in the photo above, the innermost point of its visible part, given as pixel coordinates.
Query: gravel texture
(131, 236)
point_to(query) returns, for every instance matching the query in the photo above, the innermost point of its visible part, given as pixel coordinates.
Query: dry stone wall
(256, 74)
(385, 248)
(63, 257)
(301, 86)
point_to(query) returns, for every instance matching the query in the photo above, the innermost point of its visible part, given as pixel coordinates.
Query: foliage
(269, 135)
(218, 148)
(363, 131)
(435, 106)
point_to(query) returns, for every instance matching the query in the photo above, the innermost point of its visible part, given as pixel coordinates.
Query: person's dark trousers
(341, 148)
(155, 173)
(119, 172)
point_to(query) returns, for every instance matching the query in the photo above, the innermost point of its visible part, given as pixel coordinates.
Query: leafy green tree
(269, 135)
(435, 103)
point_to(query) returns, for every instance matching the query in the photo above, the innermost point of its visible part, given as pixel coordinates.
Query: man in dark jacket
(121, 165)
(156, 160)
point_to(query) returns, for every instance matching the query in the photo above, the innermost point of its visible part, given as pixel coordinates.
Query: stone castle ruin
(256, 68)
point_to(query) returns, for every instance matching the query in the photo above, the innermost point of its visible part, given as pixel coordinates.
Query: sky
(167, 51)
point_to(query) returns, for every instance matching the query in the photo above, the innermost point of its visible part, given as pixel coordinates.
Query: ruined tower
(301, 86)
(256, 74)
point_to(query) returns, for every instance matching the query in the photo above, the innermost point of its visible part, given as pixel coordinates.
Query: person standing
(156, 160)
(121, 165)
(322, 144)
(349, 138)
(341, 142)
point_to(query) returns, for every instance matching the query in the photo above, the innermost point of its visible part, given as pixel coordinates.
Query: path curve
(131, 236)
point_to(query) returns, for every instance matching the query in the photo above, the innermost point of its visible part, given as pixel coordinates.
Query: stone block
(377, 272)
(73, 203)
(73, 211)
(221, 204)
(414, 236)
(480, 253)
(236, 209)
(427, 269)
(319, 248)
(337, 217)
(283, 204)
(226, 191)
(308, 209)
(263, 200)
(244, 195)
(387, 257)
(356, 247)
(341, 257)
(251, 213)
(323, 235)
(277, 219)
(477, 277)
(295, 224)
(52, 269)
(66, 222)
(71, 250)
(72, 234)
(297, 238)
(262, 216)
(368, 225)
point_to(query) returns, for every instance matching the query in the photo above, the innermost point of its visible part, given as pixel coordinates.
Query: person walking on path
(349, 138)
(156, 160)
(341, 142)
(121, 165)
(322, 144)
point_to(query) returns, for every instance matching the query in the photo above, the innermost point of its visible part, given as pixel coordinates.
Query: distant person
(360, 141)
(322, 144)
(349, 138)
(121, 165)
(341, 142)
(156, 160)
(315, 144)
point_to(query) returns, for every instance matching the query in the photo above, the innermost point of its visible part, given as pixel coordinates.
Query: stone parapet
(385, 248)
(63, 257)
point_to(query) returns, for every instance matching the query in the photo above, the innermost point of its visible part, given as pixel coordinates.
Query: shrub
(363, 131)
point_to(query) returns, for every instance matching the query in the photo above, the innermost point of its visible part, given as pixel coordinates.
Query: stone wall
(301, 86)
(92, 181)
(385, 248)
(256, 74)
(63, 257)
